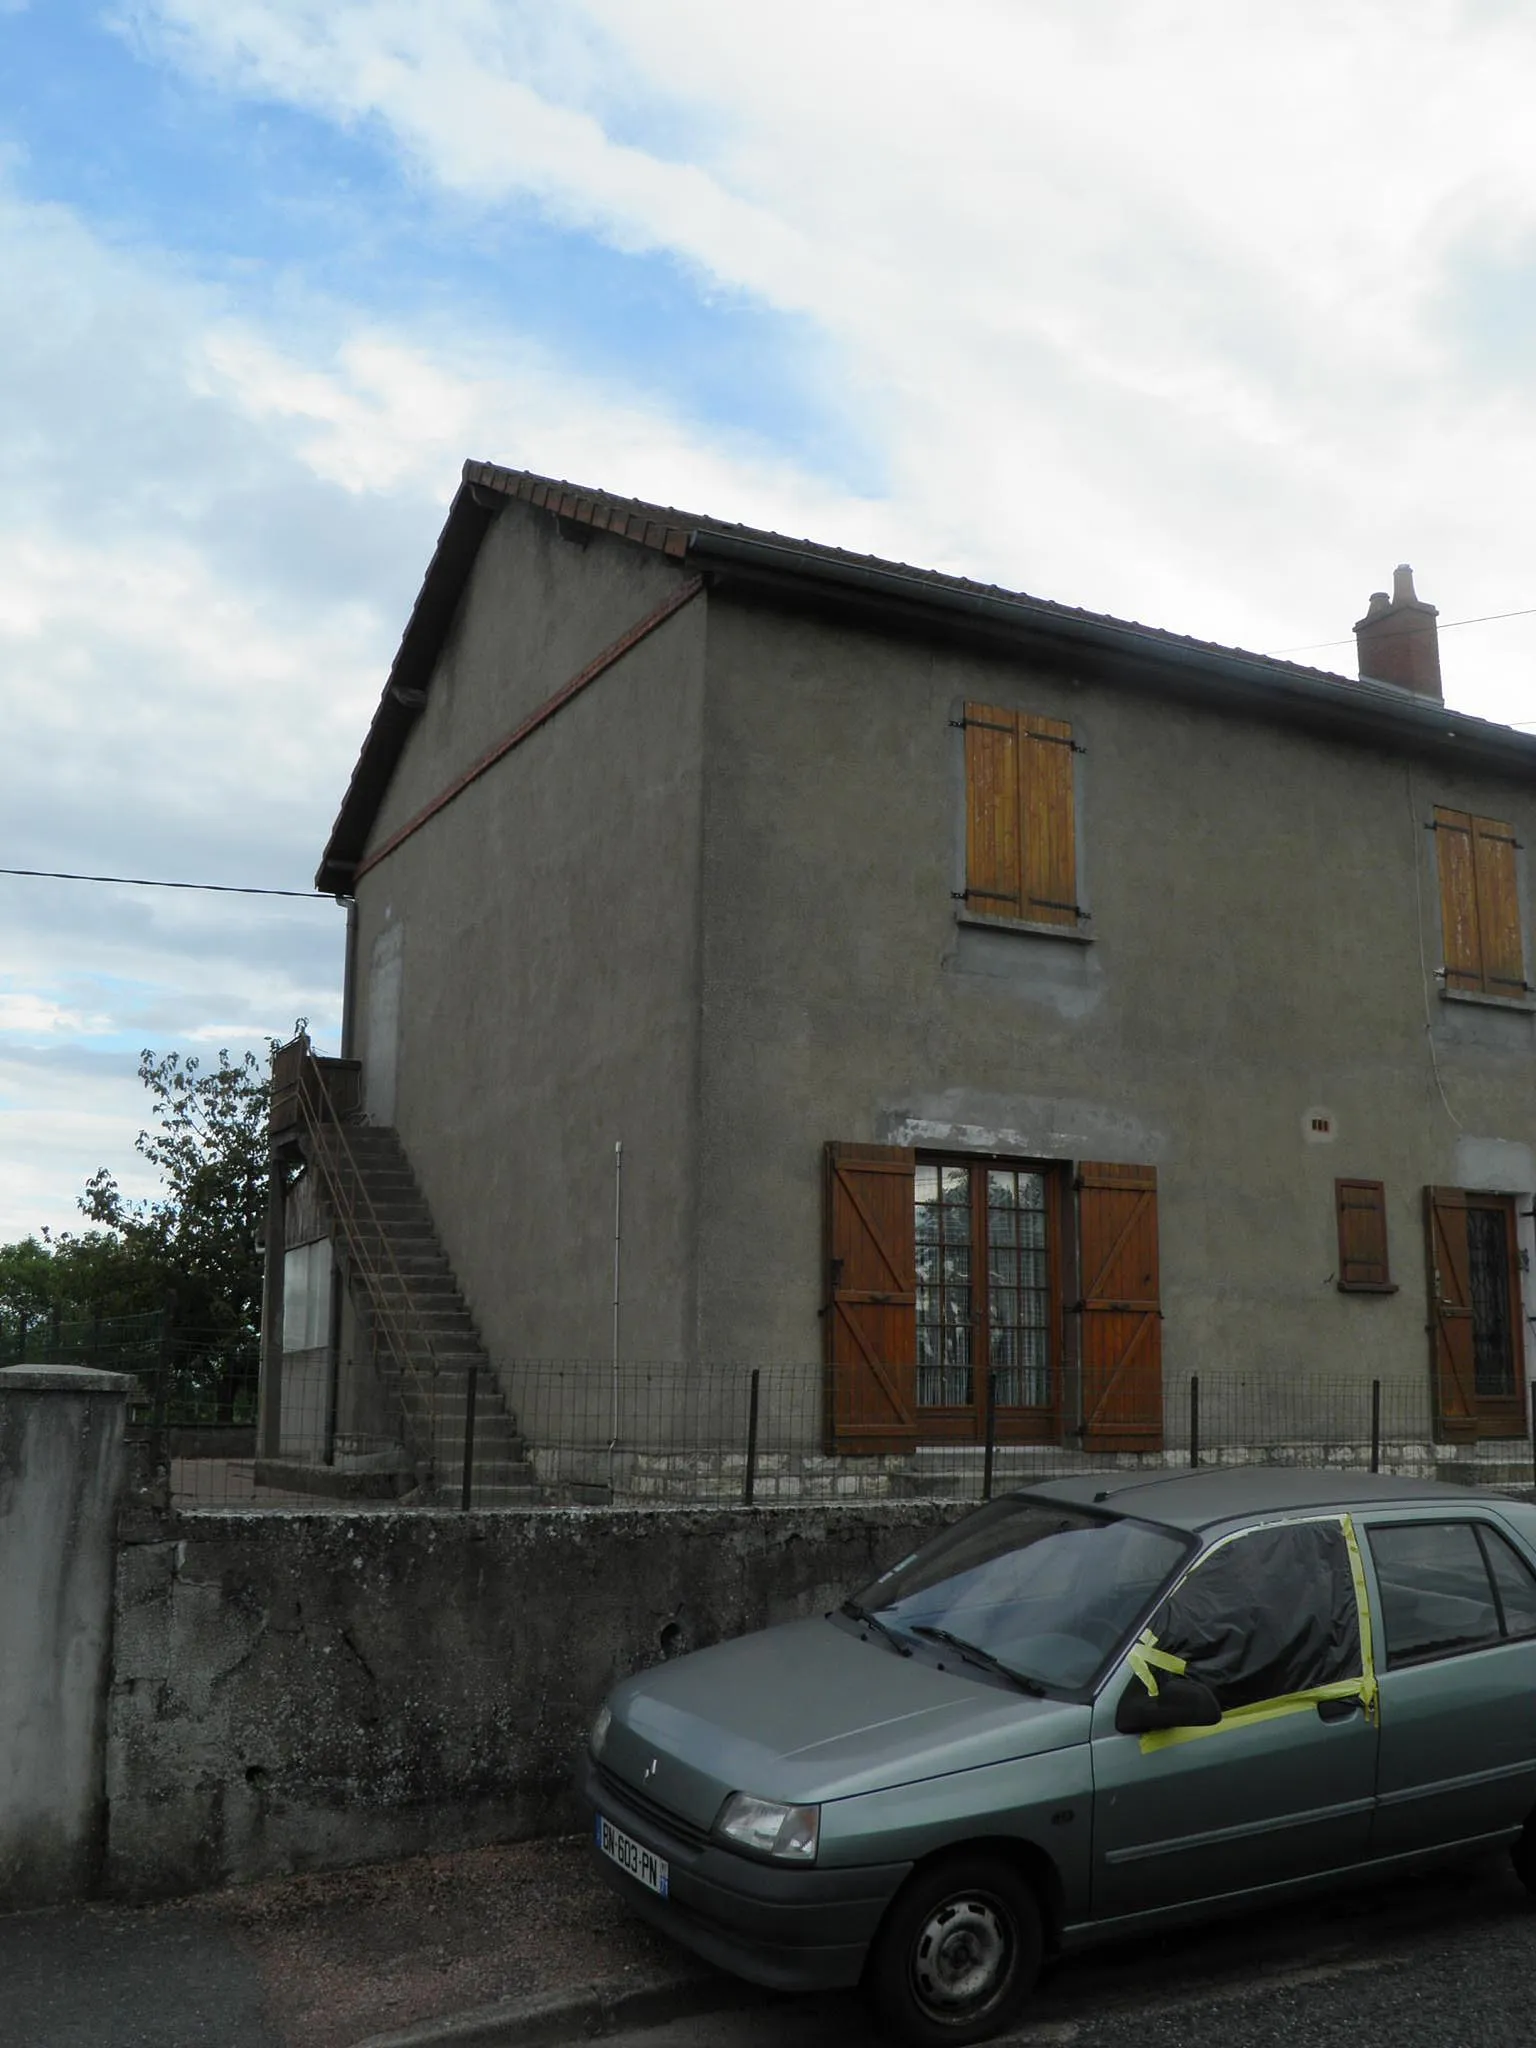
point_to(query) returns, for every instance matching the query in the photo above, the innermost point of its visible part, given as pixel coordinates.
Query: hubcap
(962, 1956)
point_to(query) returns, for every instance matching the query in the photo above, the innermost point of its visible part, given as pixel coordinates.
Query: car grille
(659, 1816)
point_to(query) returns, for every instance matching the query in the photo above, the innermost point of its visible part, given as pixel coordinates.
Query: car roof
(1197, 1500)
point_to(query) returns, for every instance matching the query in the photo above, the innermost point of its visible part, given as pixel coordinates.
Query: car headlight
(770, 1829)
(600, 1728)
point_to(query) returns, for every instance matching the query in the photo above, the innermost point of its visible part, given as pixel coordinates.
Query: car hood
(811, 1712)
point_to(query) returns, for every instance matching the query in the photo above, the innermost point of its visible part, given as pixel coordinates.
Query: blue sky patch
(266, 199)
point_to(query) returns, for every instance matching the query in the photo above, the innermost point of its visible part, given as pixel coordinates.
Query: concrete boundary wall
(302, 1691)
(61, 1437)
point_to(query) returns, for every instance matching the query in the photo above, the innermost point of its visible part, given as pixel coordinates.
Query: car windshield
(1045, 1593)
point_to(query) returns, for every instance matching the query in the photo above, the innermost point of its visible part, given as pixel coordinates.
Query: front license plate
(644, 1865)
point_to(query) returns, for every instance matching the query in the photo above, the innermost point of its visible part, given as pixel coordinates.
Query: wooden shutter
(1450, 1313)
(871, 1314)
(1479, 904)
(1458, 900)
(1020, 832)
(1049, 881)
(1498, 907)
(1122, 1332)
(992, 857)
(1362, 1219)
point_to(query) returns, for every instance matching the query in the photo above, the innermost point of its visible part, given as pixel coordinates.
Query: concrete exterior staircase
(428, 1345)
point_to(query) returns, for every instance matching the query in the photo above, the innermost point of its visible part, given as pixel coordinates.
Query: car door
(1457, 1604)
(1272, 1619)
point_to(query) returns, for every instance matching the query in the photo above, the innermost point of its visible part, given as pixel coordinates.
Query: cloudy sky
(1198, 312)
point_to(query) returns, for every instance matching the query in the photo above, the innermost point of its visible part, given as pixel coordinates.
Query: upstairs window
(1020, 832)
(1479, 905)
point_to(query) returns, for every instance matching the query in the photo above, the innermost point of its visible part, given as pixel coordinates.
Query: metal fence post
(749, 1483)
(991, 1439)
(471, 1386)
(1194, 1420)
(1375, 1425)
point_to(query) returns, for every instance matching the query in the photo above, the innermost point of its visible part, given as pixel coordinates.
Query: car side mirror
(1179, 1702)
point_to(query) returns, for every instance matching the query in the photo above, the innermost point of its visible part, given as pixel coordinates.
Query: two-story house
(992, 999)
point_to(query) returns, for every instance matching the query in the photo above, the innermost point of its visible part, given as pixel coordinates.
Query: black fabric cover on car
(1271, 1613)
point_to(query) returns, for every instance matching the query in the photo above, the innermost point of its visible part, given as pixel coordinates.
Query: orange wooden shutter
(1362, 1219)
(992, 821)
(871, 1313)
(1450, 1313)
(1458, 900)
(1122, 1332)
(1498, 908)
(1046, 803)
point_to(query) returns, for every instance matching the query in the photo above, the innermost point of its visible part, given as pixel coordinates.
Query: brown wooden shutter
(992, 857)
(1049, 835)
(871, 1314)
(1020, 832)
(1450, 1313)
(1498, 907)
(1458, 900)
(1122, 1331)
(1362, 1219)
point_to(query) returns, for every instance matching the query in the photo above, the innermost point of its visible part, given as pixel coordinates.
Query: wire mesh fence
(195, 1391)
(577, 1431)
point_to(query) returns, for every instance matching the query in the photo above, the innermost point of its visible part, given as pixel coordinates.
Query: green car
(1093, 1708)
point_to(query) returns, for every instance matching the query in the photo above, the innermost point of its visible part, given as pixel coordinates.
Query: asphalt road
(1446, 1961)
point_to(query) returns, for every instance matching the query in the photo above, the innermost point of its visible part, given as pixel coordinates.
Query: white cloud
(1145, 308)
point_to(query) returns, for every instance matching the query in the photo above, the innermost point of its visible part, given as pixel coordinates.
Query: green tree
(203, 1235)
(193, 1252)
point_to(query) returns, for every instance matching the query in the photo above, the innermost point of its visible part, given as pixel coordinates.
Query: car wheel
(1522, 1853)
(957, 1954)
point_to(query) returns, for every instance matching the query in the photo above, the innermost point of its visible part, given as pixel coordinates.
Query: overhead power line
(147, 882)
(1486, 619)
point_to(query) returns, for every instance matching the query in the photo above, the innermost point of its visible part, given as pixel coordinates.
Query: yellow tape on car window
(1147, 1660)
(1362, 1688)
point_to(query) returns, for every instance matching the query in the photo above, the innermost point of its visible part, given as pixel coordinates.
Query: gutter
(1240, 681)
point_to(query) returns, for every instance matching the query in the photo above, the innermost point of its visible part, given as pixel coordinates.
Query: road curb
(547, 2019)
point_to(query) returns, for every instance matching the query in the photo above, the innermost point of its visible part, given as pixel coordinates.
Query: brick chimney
(1397, 639)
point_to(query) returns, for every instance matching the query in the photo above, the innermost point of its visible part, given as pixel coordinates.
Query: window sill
(1367, 1287)
(1073, 934)
(1525, 1003)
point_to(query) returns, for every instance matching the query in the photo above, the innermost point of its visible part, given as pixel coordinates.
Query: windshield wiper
(883, 1629)
(973, 1653)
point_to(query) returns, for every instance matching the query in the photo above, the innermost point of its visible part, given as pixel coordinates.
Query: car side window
(1437, 1594)
(1514, 1582)
(1270, 1613)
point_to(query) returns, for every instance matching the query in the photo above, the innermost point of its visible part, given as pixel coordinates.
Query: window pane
(1435, 1593)
(1516, 1584)
(1488, 1264)
(1018, 1301)
(943, 1287)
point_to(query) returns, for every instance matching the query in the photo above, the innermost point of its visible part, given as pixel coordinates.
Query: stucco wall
(61, 1432)
(294, 1692)
(1265, 925)
(546, 926)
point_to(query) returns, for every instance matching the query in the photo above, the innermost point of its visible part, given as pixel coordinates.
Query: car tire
(958, 1953)
(1522, 1853)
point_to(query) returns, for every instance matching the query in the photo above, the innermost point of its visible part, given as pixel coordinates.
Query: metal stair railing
(313, 1098)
